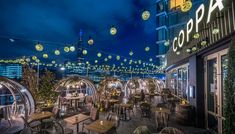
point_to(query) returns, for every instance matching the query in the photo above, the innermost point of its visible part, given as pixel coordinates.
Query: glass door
(215, 73)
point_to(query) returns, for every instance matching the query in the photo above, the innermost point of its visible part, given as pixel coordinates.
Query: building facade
(13, 71)
(197, 60)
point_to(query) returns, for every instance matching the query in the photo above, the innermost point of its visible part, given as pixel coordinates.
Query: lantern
(66, 49)
(39, 47)
(72, 48)
(45, 56)
(34, 57)
(99, 55)
(131, 53)
(110, 57)
(145, 15)
(186, 6)
(57, 52)
(113, 30)
(196, 35)
(90, 41)
(118, 57)
(84, 52)
(147, 49)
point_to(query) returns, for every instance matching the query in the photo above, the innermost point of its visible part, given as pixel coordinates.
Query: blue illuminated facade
(13, 71)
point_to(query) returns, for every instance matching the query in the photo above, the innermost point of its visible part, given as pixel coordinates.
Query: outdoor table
(76, 119)
(163, 113)
(113, 101)
(40, 116)
(100, 126)
(124, 108)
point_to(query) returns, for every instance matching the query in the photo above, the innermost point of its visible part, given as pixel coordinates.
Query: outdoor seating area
(117, 67)
(82, 108)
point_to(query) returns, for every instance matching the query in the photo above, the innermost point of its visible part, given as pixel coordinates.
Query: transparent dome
(76, 84)
(15, 99)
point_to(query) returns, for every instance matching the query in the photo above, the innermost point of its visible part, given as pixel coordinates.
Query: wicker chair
(94, 114)
(48, 122)
(171, 130)
(142, 130)
(114, 118)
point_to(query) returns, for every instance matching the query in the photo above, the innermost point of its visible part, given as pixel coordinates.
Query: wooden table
(40, 116)
(163, 110)
(113, 101)
(100, 126)
(76, 119)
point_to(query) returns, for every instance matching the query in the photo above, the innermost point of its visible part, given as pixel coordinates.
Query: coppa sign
(178, 42)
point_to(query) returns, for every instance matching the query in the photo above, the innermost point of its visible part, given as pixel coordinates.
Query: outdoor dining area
(82, 108)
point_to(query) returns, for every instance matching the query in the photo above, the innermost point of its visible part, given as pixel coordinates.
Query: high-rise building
(13, 71)
(169, 20)
(161, 28)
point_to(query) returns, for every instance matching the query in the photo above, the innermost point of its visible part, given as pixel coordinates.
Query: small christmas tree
(229, 108)
(46, 85)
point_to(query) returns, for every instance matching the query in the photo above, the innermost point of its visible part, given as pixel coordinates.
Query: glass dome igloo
(77, 84)
(148, 85)
(15, 99)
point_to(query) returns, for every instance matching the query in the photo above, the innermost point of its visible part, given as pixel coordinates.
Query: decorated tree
(229, 108)
(46, 84)
(29, 80)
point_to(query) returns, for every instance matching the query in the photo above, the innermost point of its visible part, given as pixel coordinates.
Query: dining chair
(94, 114)
(113, 117)
(27, 130)
(48, 122)
(34, 125)
(145, 110)
(142, 130)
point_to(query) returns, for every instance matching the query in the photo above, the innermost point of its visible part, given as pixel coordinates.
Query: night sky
(55, 23)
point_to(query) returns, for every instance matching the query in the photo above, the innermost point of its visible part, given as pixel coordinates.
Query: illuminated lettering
(218, 3)
(181, 38)
(199, 19)
(189, 29)
(174, 45)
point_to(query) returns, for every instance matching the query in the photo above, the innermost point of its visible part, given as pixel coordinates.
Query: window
(178, 81)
